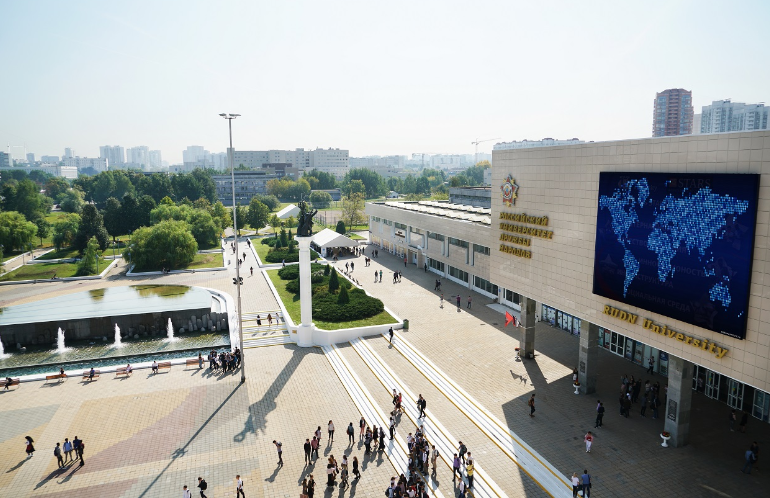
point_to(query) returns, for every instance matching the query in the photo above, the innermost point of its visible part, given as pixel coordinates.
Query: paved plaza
(148, 435)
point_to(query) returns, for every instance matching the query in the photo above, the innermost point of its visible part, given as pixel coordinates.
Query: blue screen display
(680, 245)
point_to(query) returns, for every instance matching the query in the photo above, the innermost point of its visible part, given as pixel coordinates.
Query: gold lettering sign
(663, 330)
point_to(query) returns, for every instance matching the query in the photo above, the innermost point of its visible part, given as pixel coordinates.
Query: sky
(377, 78)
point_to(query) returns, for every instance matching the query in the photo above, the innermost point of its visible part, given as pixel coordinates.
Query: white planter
(577, 388)
(665, 440)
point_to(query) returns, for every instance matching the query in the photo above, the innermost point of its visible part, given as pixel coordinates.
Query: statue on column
(305, 226)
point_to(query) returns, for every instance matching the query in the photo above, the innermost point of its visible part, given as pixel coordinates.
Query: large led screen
(679, 245)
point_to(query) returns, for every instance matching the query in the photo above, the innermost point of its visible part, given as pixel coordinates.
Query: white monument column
(306, 327)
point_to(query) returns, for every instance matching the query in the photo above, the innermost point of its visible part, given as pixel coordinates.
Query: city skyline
(376, 81)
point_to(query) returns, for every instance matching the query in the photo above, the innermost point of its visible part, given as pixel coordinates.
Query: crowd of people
(225, 361)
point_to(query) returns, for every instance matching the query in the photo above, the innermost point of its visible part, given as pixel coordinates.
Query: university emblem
(509, 189)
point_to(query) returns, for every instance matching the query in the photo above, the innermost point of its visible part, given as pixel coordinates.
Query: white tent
(290, 210)
(327, 240)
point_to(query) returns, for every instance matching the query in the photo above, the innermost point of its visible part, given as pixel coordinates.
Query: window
(512, 297)
(436, 265)
(376, 219)
(458, 243)
(435, 236)
(458, 274)
(417, 231)
(401, 226)
(387, 222)
(484, 285)
(480, 249)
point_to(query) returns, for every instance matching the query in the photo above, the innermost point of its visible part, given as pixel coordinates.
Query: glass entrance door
(735, 394)
(617, 343)
(761, 408)
(712, 384)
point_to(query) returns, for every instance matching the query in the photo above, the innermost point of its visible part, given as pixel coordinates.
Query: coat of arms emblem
(509, 189)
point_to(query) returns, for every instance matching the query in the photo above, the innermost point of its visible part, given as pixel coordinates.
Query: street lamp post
(229, 118)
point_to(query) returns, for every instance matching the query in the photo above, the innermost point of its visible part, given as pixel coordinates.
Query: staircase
(255, 336)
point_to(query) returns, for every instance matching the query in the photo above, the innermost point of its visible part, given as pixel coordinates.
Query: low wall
(143, 324)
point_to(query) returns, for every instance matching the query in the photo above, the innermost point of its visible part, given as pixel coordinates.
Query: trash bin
(406, 324)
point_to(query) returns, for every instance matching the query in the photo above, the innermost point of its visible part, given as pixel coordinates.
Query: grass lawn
(292, 304)
(44, 271)
(208, 260)
(355, 236)
(262, 249)
(68, 252)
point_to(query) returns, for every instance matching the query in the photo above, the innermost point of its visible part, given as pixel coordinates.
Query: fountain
(2, 350)
(117, 344)
(60, 348)
(170, 331)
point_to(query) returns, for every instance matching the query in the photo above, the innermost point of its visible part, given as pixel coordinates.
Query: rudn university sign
(518, 232)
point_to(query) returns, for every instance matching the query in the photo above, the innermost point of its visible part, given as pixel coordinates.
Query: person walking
(744, 421)
(330, 429)
(203, 486)
(314, 447)
(390, 334)
(279, 448)
(308, 448)
(650, 365)
(441, 302)
(68, 449)
(375, 276)
(586, 482)
(392, 428)
(380, 276)
(356, 472)
(57, 454)
(458, 299)
(469, 302)
(589, 439)
(421, 404)
(461, 450)
(644, 406)
(469, 472)
(239, 487)
(310, 486)
(575, 484)
(599, 415)
(750, 458)
(80, 450)
(186, 492)
(531, 404)
(654, 407)
(404, 261)
(456, 467)
(351, 434)
(433, 458)
(361, 428)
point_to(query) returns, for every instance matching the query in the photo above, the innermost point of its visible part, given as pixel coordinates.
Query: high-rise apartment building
(49, 159)
(5, 160)
(97, 163)
(156, 160)
(673, 113)
(333, 161)
(68, 152)
(724, 115)
(138, 156)
(114, 154)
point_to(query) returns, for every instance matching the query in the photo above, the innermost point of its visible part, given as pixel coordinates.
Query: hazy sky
(374, 77)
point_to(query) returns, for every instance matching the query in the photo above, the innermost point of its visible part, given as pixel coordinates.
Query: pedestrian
(252, 271)
(186, 492)
(375, 276)
(304, 489)
(586, 478)
(461, 488)
(627, 406)
(750, 458)
(154, 368)
(531, 404)
(390, 333)
(433, 458)
(732, 421)
(57, 454)
(310, 486)
(469, 302)
(200, 362)
(355, 468)
(599, 415)
(308, 448)
(380, 276)
(435, 286)
(351, 434)
(441, 302)
(654, 406)
(644, 406)
(314, 447)
(30, 447)
(461, 450)
(456, 467)
(239, 487)
(458, 302)
(425, 267)
(404, 261)
(203, 486)
(67, 449)
(361, 428)
(755, 450)
(76, 447)
(744, 421)
(81, 449)
(589, 439)
(575, 484)
(269, 319)
(421, 403)
(279, 448)
(347, 267)
(650, 365)
(392, 428)
(331, 432)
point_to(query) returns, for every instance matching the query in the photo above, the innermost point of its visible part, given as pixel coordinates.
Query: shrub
(344, 297)
(327, 269)
(326, 307)
(292, 272)
(269, 241)
(334, 282)
(293, 286)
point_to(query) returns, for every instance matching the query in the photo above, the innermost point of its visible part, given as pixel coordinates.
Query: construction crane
(476, 143)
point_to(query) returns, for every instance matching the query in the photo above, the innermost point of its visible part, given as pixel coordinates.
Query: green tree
(353, 210)
(284, 239)
(320, 200)
(343, 298)
(410, 185)
(55, 186)
(327, 269)
(458, 181)
(202, 203)
(221, 215)
(167, 201)
(291, 222)
(323, 180)
(157, 186)
(43, 229)
(275, 222)
(168, 244)
(299, 190)
(129, 208)
(270, 201)
(423, 185)
(91, 225)
(88, 264)
(144, 208)
(202, 227)
(25, 198)
(15, 231)
(340, 227)
(355, 187)
(113, 217)
(65, 229)
(334, 282)
(258, 214)
(72, 201)
(373, 181)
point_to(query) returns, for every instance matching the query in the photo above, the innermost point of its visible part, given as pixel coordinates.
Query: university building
(651, 248)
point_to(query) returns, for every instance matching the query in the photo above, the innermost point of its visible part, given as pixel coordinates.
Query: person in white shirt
(331, 432)
(154, 367)
(186, 493)
(239, 487)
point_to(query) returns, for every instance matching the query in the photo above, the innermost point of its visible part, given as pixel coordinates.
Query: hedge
(292, 272)
(277, 256)
(269, 241)
(325, 307)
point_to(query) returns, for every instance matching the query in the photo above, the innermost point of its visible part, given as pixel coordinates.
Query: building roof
(447, 210)
(330, 238)
(290, 210)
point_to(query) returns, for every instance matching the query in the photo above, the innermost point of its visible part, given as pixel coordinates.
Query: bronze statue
(305, 227)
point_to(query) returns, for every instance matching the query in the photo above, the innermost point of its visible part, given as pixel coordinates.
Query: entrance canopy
(329, 238)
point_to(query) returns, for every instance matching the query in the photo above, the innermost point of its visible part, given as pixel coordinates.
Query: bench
(87, 374)
(122, 371)
(58, 377)
(187, 363)
(164, 364)
(13, 382)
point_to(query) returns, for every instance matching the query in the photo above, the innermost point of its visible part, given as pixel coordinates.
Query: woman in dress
(30, 447)
(362, 426)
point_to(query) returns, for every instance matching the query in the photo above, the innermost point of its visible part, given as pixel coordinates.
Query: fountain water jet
(170, 331)
(2, 351)
(60, 348)
(117, 344)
